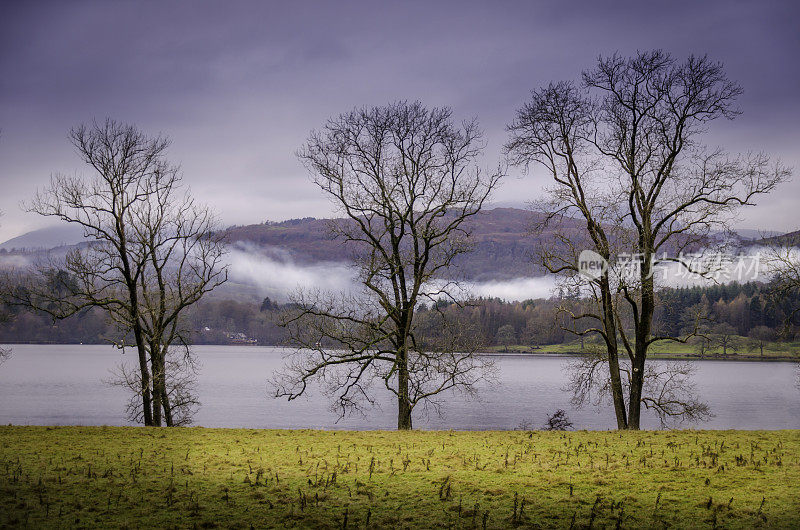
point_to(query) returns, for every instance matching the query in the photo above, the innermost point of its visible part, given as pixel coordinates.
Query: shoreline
(313, 430)
(656, 356)
(790, 358)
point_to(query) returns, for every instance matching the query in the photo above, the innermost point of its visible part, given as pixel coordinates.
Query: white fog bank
(275, 274)
(272, 272)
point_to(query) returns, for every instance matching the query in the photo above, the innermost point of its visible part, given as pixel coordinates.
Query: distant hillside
(503, 245)
(504, 248)
(46, 238)
(791, 239)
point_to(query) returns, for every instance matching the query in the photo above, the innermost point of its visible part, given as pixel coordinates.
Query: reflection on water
(63, 385)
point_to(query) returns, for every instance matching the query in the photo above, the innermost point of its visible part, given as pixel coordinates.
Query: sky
(238, 86)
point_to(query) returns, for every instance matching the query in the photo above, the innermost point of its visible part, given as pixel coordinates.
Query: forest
(740, 317)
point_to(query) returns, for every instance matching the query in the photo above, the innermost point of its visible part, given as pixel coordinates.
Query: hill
(791, 239)
(503, 246)
(46, 238)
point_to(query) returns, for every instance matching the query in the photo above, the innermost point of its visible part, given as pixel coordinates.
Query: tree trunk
(168, 421)
(162, 385)
(158, 376)
(635, 397)
(145, 376)
(643, 328)
(138, 334)
(403, 403)
(613, 359)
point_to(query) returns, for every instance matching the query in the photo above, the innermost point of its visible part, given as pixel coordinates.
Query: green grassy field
(782, 351)
(139, 477)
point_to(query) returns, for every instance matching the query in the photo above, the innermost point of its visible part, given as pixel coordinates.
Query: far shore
(549, 350)
(663, 356)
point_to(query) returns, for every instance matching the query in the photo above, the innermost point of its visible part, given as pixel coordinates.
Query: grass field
(138, 477)
(782, 351)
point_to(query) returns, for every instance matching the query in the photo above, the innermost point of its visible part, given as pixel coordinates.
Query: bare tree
(760, 336)
(726, 338)
(178, 372)
(783, 267)
(506, 336)
(668, 388)
(623, 151)
(783, 264)
(153, 254)
(558, 421)
(405, 179)
(5, 353)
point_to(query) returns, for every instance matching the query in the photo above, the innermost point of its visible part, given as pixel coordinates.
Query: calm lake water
(64, 385)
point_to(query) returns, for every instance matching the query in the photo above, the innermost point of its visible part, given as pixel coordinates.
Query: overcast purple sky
(238, 85)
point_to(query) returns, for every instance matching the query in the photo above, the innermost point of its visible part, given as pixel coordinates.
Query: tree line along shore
(743, 323)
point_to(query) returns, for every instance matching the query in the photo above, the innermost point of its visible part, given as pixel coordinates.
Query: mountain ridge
(503, 245)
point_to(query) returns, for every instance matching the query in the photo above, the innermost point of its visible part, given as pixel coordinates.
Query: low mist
(273, 273)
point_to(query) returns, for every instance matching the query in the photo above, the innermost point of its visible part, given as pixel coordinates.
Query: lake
(64, 385)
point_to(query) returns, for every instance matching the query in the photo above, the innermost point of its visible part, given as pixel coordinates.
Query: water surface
(64, 385)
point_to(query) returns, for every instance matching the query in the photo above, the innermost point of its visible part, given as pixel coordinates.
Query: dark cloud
(238, 85)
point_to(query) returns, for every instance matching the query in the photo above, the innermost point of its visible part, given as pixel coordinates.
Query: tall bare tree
(783, 267)
(152, 254)
(623, 151)
(5, 353)
(405, 178)
(783, 264)
(761, 336)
